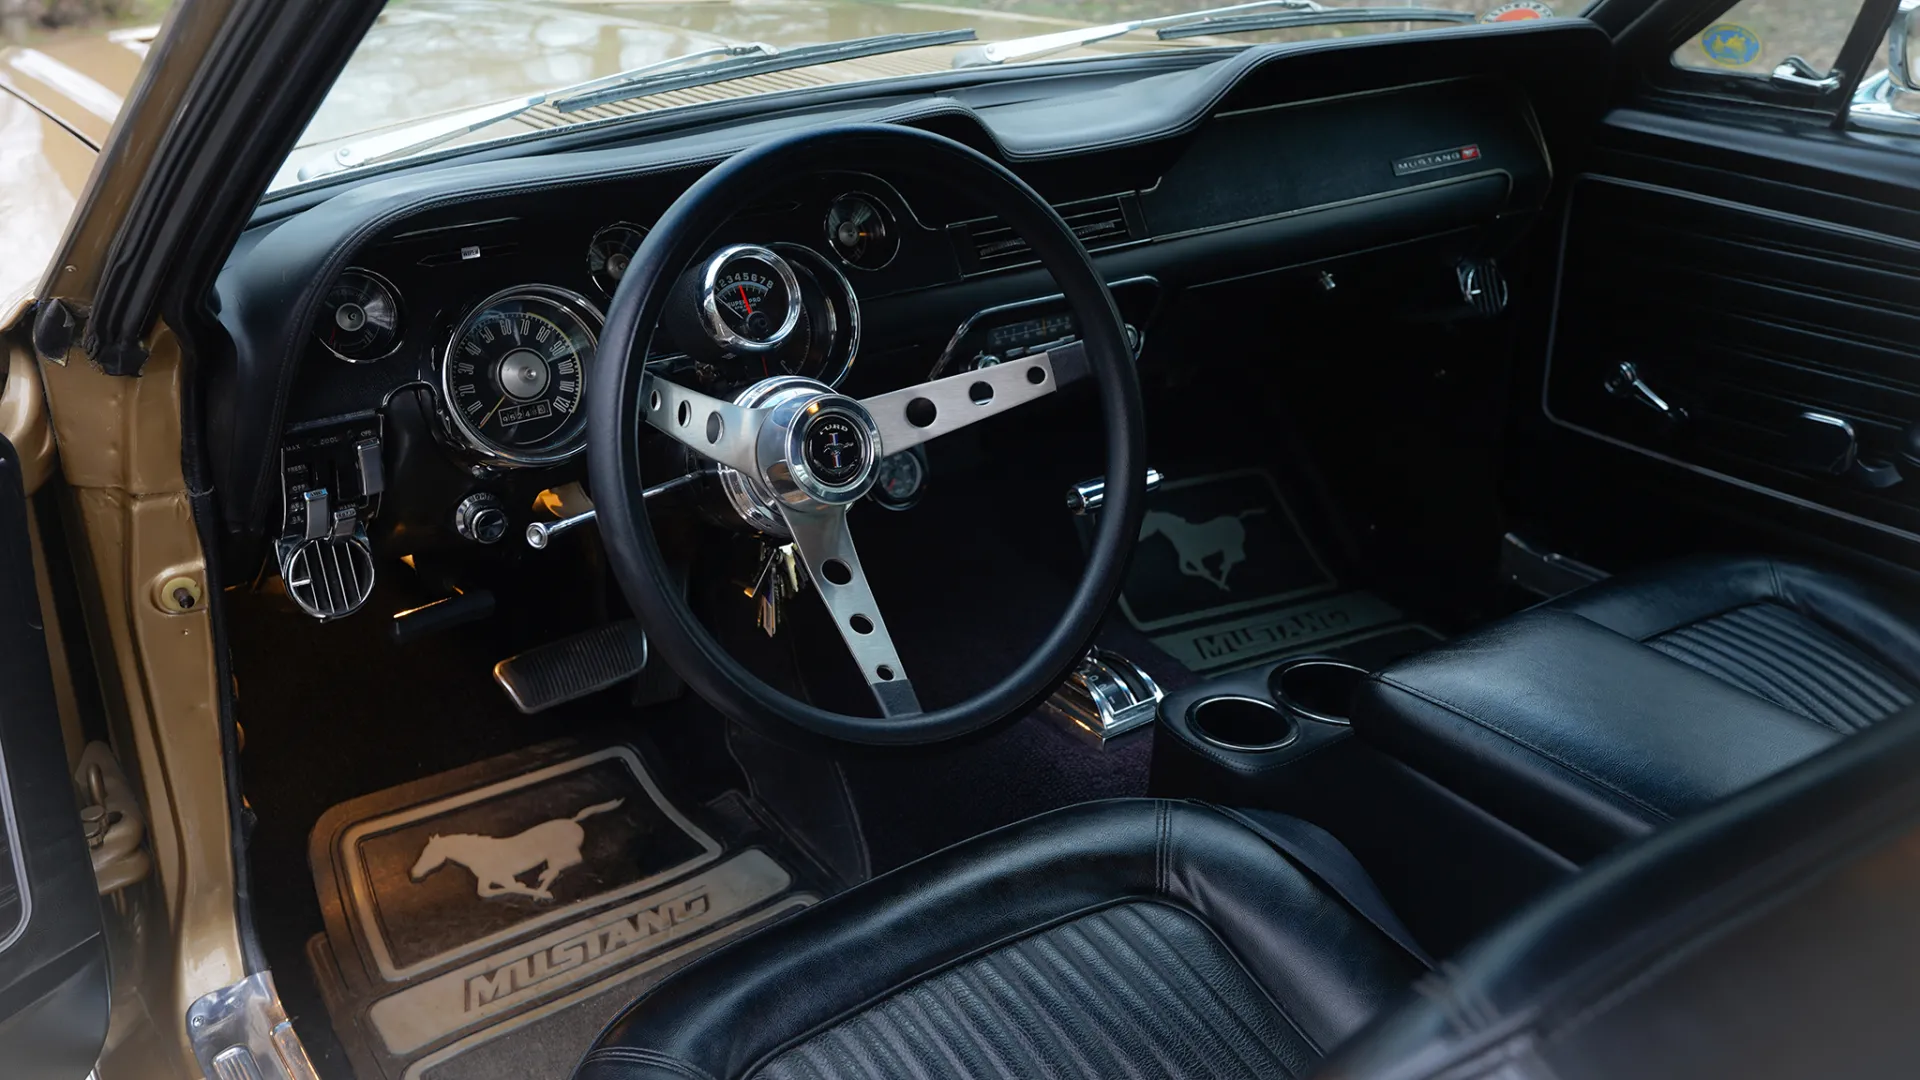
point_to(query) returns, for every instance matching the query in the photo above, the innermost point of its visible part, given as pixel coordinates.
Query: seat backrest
(1777, 934)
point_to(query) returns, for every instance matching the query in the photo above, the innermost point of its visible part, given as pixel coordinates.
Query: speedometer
(515, 371)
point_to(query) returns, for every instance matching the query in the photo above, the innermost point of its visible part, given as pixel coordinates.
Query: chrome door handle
(1797, 74)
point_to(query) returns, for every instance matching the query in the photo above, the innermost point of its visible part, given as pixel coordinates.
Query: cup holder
(1317, 688)
(1241, 723)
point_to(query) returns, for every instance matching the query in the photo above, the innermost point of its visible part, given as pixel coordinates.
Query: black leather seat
(1110, 939)
(1773, 935)
(1602, 716)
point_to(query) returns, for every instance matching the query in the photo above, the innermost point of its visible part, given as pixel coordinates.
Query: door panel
(1747, 288)
(53, 965)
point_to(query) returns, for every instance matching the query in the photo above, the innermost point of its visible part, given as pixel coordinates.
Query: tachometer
(749, 299)
(515, 371)
(609, 252)
(360, 318)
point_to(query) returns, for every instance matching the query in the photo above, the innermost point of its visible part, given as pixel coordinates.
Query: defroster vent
(989, 243)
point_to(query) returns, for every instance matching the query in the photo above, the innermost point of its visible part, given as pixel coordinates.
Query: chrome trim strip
(19, 856)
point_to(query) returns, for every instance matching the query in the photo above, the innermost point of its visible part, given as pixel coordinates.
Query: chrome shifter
(1106, 696)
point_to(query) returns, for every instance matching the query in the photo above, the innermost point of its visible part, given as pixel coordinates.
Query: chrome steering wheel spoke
(915, 414)
(708, 426)
(827, 547)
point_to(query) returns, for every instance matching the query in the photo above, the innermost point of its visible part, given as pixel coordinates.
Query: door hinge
(110, 816)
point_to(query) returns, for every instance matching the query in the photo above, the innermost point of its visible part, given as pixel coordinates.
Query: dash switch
(319, 513)
(373, 475)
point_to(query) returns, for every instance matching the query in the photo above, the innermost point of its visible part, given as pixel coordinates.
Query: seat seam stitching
(648, 1056)
(1548, 755)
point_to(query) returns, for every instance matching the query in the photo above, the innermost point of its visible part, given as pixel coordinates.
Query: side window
(1756, 37)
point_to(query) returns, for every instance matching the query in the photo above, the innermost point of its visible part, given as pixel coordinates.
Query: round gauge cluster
(515, 371)
(609, 252)
(862, 231)
(748, 312)
(359, 319)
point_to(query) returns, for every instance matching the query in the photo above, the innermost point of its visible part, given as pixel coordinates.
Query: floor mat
(1225, 577)
(487, 922)
(1211, 546)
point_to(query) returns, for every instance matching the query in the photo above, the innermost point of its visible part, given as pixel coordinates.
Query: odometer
(515, 371)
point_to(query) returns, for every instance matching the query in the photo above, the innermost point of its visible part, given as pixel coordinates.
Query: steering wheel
(815, 451)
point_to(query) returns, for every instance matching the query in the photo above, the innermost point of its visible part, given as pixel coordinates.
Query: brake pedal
(558, 672)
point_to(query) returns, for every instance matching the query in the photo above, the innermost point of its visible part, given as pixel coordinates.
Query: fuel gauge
(360, 318)
(861, 231)
(609, 252)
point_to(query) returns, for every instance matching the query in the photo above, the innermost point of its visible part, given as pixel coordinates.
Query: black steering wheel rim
(615, 422)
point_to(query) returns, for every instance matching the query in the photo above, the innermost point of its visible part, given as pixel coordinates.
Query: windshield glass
(433, 73)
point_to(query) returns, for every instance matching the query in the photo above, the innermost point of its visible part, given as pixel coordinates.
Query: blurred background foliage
(26, 20)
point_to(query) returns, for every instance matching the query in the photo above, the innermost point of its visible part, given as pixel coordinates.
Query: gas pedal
(540, 678)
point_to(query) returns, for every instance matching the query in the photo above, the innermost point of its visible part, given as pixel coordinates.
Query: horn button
(817, 450)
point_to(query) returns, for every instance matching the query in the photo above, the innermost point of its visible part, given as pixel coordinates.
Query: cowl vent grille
(329, 578)
(989, 243)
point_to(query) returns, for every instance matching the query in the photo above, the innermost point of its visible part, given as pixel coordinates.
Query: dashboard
(410, 357)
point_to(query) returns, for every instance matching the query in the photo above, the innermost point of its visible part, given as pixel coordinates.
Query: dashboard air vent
(330, 577)
(989, 243)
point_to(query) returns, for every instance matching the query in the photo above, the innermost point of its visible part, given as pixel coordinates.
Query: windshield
(432, 73)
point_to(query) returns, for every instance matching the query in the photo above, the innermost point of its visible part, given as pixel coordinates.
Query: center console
(1279, 737)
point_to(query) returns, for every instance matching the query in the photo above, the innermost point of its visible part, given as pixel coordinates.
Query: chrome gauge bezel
(576, 306)
(715, 324)
(817, 265)
(887, 213)
(607, 287)
(399, 317)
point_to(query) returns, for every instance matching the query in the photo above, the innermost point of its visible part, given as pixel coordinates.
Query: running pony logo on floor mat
(497, 862)
(1197, 543)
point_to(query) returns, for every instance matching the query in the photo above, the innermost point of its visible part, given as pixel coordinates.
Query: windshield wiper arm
(1283, 20)
(739, 62)
(1025, 48)
(574, 99)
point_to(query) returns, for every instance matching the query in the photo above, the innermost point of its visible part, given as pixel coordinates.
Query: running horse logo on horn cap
(1197, 543)
(498, 861)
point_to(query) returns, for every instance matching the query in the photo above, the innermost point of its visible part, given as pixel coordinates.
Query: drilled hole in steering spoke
(980, 393)
(653, 401)
(885, 673)
(836, 572)
(1036, 374)
(685, 413)
(921, 412)
(715, 428)
(861, 624)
